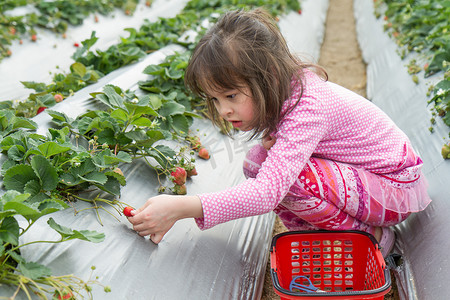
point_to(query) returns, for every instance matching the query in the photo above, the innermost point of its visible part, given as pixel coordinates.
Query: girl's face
(235, 106)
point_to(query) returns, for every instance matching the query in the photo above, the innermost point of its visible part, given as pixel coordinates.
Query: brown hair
(246, 48)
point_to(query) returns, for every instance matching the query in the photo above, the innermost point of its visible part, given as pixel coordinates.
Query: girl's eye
(231, 96)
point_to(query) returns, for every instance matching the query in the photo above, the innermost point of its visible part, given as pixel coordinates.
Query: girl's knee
(253, 160)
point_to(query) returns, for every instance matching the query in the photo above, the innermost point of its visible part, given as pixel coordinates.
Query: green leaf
(18, 176)
(51, 148)
(117, 176)
(34, 270)
(180, 124)
(171, 108)
(114, 99)
(20, 122)
(28, 211)
(142, 122)
(112, 186)
(45, 171)
(69, 234)
(94, 177)
(9, 231)
(78, 68)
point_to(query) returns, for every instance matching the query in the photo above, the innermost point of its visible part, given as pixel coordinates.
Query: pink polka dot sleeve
(329, 122)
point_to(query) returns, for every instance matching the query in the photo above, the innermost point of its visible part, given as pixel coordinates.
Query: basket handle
(380, 256)
(273, 260)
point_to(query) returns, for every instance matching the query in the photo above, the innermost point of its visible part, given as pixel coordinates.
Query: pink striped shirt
(329, 122)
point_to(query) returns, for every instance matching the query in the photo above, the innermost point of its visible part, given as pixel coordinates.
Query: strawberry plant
(31, 277)
(52, 15)
(422, 27)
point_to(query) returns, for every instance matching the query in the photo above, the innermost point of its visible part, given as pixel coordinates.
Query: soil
(341, 57)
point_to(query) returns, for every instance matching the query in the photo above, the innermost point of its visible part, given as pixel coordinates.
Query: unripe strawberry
(58, 98)
(179, 176)
(191, 172)
(180, 189)
(203, 153)
(445, 151)
(118, 171)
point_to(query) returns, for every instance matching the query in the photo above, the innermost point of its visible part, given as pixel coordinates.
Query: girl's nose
(224, 110)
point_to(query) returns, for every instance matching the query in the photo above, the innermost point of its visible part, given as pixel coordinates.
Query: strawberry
(203, 153)
(96, 19)
(299, 11)
(191, 172)
(127, 211)
(64, 296)
(179, 176)
(12, 30)
(425, 66)
(34, 37)
(20, 42)
(180, 189)
(445, 151)
(64, 35)
(148, 3)
(76, 45)
(8, 53)
(40, 109)
(118, 171)
(58, 98)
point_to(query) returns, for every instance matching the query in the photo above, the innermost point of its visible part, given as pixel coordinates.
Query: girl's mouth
(236, 124)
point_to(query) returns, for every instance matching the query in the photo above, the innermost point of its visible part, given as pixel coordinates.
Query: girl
(329, 159)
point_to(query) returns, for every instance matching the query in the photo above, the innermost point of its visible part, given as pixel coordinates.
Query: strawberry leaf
(52, 148)
(18, 176)
(9, 231)
(34, 270)
(45, 171)
(69, 234)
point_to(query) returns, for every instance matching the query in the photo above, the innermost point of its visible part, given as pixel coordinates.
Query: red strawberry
(148, 3)
(64, 296)
(179, 176)
(34, 37)
(299, 11)
(203, 153)
(127, 211)
(8, 53)
(40, 109)
(191, 172)
(180, 189)
(425, 66)
(58, 98)
(76, 45)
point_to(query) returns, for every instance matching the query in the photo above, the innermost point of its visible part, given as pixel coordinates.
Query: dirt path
(341, 57)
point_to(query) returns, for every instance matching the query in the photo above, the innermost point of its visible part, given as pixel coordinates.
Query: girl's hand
(160, 213)
(268, 142)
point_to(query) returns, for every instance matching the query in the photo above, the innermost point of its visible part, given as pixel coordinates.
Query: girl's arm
(160, 213)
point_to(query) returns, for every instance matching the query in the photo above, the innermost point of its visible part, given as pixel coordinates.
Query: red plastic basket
(343, 264)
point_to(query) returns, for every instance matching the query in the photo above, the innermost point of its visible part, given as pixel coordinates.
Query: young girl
(329, 159)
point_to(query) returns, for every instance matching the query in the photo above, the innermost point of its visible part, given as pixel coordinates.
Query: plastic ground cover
(225, 262)
(422, 240)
